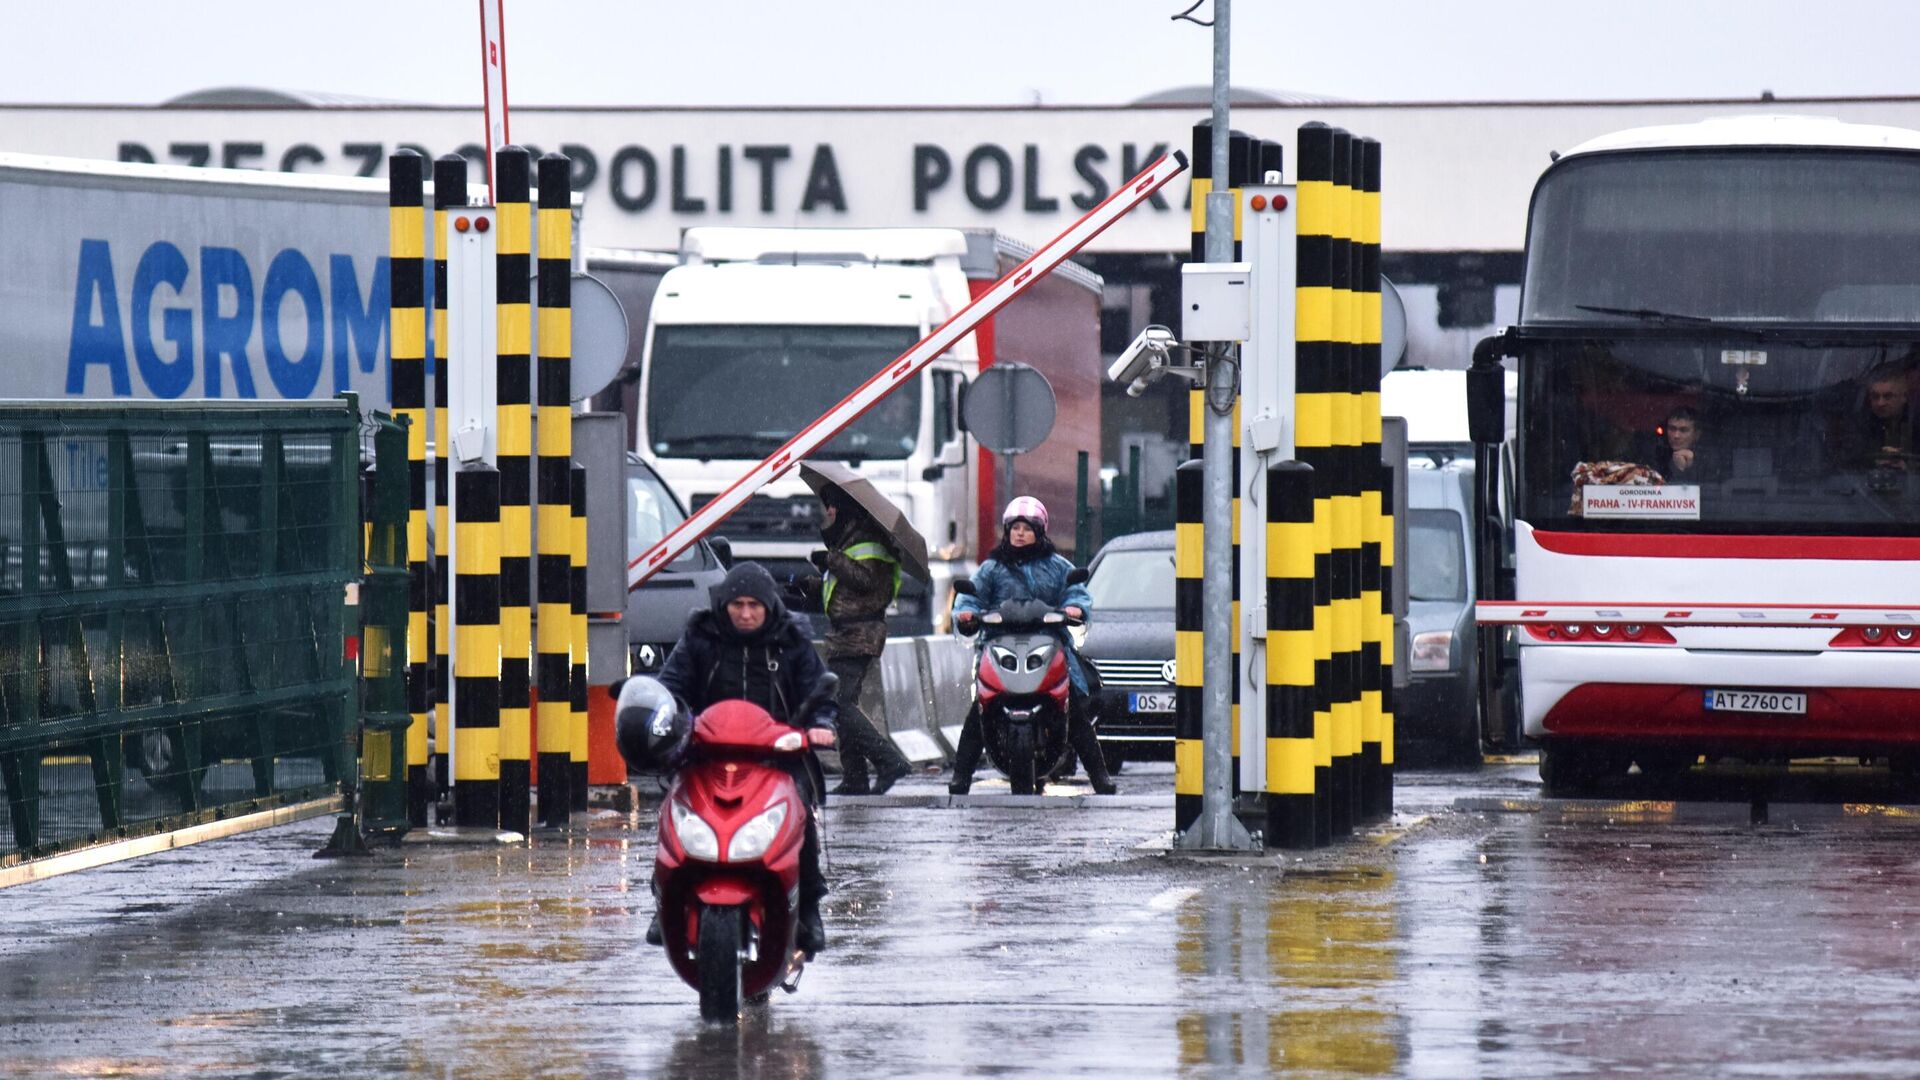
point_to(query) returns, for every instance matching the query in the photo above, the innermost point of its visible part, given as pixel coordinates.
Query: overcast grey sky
(965, 52)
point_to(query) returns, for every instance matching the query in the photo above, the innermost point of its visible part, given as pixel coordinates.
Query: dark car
(657, 610)
(1130, 643)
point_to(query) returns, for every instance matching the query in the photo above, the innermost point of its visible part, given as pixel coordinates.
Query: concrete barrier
(907, 706)
(923, 694)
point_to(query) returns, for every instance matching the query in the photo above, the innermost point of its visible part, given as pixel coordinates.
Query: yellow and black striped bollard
(1240, 155)
(407, 348)
(1290, 656)
(577, 737)
(1346, 505)
(476, 767)
(513, 291)
(449, 191)
(1375, 785)
(1315, 383)
(553, 479)
(1189, 497)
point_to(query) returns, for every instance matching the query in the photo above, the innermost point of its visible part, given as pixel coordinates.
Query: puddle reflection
(1310, 960)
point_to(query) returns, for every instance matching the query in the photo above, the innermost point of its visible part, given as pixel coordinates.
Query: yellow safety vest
(861, 553)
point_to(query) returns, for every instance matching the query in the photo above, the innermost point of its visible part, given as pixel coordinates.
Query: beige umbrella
(907, 541)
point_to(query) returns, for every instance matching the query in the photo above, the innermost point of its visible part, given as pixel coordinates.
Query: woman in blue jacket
(1024, 565)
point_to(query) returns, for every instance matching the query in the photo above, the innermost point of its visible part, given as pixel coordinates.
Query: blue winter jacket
(1044, 580)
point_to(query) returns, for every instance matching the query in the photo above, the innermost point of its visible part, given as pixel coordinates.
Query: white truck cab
(762, 330)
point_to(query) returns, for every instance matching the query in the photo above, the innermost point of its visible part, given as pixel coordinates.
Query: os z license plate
(1760, 701)
(1150, 702)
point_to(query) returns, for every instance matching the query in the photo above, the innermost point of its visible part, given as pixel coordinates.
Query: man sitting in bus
(1885, 436)
(1678, 457)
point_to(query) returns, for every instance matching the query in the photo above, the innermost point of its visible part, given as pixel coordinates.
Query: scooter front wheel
(719, 961)
(1020, 757)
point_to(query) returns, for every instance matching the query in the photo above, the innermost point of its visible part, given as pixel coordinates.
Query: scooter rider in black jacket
(746, 646)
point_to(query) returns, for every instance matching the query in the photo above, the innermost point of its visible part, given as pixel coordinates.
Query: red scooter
(728, 865)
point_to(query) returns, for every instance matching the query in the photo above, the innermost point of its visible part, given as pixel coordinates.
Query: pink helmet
(1028, 507)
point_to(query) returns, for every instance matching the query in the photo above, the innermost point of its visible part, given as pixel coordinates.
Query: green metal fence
(174, 582)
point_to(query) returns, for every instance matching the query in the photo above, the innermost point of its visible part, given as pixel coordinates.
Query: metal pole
(1217, 828)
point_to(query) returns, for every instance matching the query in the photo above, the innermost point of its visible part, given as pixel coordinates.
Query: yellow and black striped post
(1346, 503)
(1379, 742)
(554, 485)
(1388, 480)
(1366, 292)
(1200, 173)
(1240, 160)
(476, 766)
(1189, 546)
(1240, 156)
(577, 738)
(513, 419)
(1189, 499)
(449, 190)
(407, 348)
(1315, 384)
(1290, 656)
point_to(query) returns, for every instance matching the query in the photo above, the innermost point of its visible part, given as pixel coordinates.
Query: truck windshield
(1752, 235)
(742, 391)
(1720, 434)
(651, 514)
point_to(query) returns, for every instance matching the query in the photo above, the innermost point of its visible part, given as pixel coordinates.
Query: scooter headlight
(756, 836)
(1006, 659)
(1038, 658)
(696, 836)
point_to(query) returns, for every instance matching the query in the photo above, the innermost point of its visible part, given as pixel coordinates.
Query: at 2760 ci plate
(1760, 701)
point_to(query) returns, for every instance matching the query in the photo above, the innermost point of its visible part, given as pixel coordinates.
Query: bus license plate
(1760, 701)
(1150, 703)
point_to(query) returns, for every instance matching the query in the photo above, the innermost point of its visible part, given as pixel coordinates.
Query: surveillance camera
(1142, 355)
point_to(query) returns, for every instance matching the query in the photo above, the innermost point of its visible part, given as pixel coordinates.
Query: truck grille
(766, 517)
(1131, 672)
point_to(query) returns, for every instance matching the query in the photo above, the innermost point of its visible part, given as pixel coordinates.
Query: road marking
(1161, 903)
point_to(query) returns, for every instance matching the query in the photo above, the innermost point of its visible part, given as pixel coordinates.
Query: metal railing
(174, 586)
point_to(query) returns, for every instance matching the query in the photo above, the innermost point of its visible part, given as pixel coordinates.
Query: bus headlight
(1433, 651)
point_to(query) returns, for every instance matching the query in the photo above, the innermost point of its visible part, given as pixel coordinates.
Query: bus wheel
(1569, 769)
(1665, 765)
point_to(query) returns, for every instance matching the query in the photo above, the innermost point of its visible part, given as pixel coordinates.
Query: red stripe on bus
(1682, 546)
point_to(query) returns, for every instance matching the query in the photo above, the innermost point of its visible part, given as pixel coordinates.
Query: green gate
(175, 583)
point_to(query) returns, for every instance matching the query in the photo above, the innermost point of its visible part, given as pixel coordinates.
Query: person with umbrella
(866, 537)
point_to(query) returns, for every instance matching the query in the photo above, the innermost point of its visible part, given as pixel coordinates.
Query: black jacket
(775, 670)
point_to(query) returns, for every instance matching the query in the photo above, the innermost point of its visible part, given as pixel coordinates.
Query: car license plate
(1150, 703)
(1761, 701)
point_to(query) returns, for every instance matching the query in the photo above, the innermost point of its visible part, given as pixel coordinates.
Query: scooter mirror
(1078, 575)
(964, 586)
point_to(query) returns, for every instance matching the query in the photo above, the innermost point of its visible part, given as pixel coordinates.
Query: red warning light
(460, 224)
(1259, 202)
(1279, 202)
(482, 224)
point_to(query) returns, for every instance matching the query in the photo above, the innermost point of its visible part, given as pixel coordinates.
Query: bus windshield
(742, 391)
(1728, 434)
(1755, 234)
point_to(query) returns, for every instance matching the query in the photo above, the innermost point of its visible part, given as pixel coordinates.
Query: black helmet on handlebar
(650, 727)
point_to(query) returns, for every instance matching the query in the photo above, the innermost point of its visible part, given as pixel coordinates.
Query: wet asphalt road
(1483, 932)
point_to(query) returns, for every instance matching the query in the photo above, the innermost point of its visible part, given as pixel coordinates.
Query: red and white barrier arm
(909, 363)
(1518, 612)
